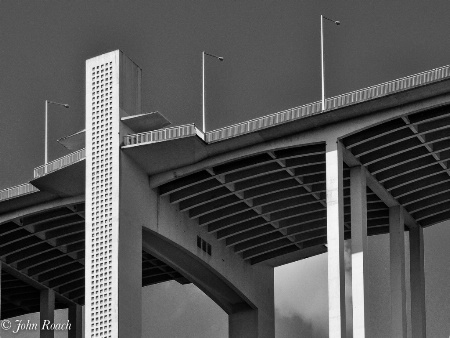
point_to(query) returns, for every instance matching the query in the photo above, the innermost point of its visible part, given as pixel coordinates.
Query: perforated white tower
(113, 244)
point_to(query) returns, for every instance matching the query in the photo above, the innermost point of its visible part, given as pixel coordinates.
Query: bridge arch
(197, 272)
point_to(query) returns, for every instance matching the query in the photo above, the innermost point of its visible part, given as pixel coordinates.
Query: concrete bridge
(139, 202)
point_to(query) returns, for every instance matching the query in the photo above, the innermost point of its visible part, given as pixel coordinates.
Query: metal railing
(335, 102)
(162, 135)
(267, 121)
(389, 87)
(263, 122)
(16, 191)
(60, 163)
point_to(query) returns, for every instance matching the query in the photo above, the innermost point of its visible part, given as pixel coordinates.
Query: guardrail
(60, 163)
(335, 102)
(163, 135)
(18, 190)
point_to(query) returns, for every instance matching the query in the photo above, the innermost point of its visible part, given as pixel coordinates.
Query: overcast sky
(272, 62)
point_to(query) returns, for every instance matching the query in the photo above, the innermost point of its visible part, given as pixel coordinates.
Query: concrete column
(47, 313)
(359, 251)
(243, 324)
(397, 256)
(260, 322)
(256, 322)
(76, 321)
(335, 239)
(417, 277)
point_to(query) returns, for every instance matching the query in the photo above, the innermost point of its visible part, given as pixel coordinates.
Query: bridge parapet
(389, 87)
(171, 133)
(335, 102)
(18, 190)
(60, 163)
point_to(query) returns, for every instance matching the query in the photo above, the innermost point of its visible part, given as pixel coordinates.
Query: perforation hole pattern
(102, 201)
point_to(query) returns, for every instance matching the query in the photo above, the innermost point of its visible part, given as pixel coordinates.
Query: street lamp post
(203, 86)
(322, 56)
(47, 102)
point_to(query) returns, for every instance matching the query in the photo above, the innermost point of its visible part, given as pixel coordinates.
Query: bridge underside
(269, 204)
(274, 203)
(410, 157)
(19, 297)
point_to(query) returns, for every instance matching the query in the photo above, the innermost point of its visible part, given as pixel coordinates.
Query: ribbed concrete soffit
(268, 204)
(409, 156)
(48, 247)
(273, 203)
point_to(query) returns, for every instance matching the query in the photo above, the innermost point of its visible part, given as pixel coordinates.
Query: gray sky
(272, 62)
